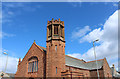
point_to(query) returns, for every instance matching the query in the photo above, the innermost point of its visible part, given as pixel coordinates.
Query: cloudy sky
(22, 23)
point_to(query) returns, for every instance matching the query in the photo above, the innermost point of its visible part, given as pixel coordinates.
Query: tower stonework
(55, 46)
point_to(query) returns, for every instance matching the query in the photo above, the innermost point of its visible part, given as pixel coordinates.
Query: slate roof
(43, 48)
(70, 61)
(74, 62)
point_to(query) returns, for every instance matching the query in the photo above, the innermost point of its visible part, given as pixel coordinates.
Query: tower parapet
(55, 30)
(55, 22)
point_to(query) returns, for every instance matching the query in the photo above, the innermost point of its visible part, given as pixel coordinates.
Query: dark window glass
(49, 48)
(50, 31)
(55, 29)
(56, 70)
(37, 65)
(56, 48)
(33, 67)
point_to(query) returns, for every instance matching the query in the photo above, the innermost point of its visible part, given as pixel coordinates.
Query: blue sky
(25, 22)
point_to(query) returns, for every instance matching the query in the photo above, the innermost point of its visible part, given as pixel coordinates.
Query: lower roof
(74, 62)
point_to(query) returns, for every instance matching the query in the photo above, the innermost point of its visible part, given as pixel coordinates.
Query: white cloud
(3, 35)
(11, 64)
(8, 13)
(108, 41)
(95, 34)
(80, 32)
(115, 5)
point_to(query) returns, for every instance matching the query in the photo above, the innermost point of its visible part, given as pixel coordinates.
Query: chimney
(19, 61)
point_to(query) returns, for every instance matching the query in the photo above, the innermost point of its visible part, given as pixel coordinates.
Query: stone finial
(63, 22)
(52, 19)
(19, 59)
(59, 19)
(113, 65)
(34, 41)
(48, 21)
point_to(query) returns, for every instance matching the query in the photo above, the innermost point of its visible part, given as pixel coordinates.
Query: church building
(52, 61)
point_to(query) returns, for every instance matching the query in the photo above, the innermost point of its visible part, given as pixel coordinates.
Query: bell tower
(55, 45)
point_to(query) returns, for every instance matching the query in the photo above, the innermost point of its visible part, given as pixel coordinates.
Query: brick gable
(22, 70)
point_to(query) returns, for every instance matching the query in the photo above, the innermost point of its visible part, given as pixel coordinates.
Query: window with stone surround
(33, 64)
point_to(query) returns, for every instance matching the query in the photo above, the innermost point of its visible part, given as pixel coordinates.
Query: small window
(49, 48)
(56, 70)
(56, 48)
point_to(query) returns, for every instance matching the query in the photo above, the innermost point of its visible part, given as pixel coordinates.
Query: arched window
(33, 64)
(50, 30)
(55, 29)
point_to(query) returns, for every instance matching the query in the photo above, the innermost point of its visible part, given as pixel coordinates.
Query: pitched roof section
(40, 47)
(43, 48)
(74, 62)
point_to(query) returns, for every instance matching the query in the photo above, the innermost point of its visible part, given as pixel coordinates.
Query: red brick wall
(55, 58)
(93, 73)
(22, 70)
(76, 72)
(106, 69)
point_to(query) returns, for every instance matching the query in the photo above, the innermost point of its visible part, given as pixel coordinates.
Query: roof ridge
(42, 47)
(38, 46)
(76, 58)
(93, 61)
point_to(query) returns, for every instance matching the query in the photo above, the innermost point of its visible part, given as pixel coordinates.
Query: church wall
(106, 68)
(55, 59)
(76, 72)
(23, 66)
(93, 73)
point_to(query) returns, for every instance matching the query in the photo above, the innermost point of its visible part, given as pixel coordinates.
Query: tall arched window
(33, 64)
(55, 29)
(50, 30)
